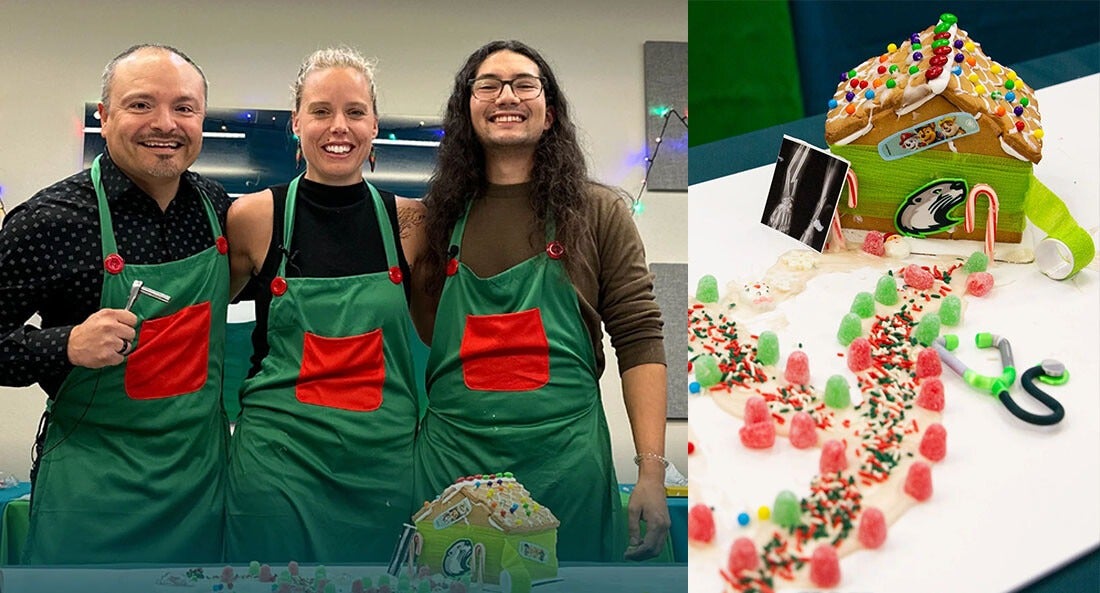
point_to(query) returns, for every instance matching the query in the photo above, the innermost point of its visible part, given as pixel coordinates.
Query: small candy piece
(832, 457)
(950, 310)
(798, 368)
(864, 305)
(886, 291)
(850, 328)
(787, 510)
(756, 410)
(706, 370)
(873, 243)
(758, 435)
(918, 482)
(803, 432)
(266, 575)
(763, 513)
(742, 519)
(933, 445)
(872, 528)
(931, 394)
(859, 355)
(897, 247)
(977, 262)
(837, 394)
(824, 566)
(707, 290)
(928, 364)
(742, 556)
(767, 348)
(979, 283)
(701, 524)
(927, 329)
(917, 277)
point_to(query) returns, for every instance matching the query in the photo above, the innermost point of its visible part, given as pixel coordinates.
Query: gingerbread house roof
(491, 500)
(934, 72)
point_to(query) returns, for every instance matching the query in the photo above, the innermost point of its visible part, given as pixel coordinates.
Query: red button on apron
(114, 263)
(555, 250)
(396, 275)
(452, 267)
(278, 286)
(222, 245)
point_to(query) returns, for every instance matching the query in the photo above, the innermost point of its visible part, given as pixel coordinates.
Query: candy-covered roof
(503, 501)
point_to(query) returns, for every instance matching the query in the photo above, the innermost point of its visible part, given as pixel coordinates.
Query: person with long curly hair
(528, 260)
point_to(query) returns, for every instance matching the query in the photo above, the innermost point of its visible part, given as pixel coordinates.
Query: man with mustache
(130, 456)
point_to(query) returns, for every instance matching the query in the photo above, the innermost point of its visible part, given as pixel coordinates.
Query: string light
(666, 112)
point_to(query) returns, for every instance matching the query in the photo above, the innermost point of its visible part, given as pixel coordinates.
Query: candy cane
(478, 567)
(834, 225)
(991, 217)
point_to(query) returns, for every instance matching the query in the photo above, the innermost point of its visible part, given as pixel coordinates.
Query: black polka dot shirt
(51, 261)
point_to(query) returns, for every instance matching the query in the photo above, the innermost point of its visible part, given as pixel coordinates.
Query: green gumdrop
(886, 291)
(850, 328)
(425, 587)
(950, 310)
(787, 511)
(707, 290)
(977, 262)
(384, 580)
(254, 568)
(836, 393)
(367, 583)
(767, 348)
(928, 328)
(284, 577)
(707, 372)
(330, 587)
(864, 305)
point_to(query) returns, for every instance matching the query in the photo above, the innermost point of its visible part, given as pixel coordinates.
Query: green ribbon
(1068, 248)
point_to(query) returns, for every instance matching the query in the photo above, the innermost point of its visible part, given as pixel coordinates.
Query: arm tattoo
(407, 219)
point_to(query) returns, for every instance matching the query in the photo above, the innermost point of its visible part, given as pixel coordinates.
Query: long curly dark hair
(560, 173)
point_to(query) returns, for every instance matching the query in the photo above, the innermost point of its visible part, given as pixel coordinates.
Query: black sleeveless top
(336, 234)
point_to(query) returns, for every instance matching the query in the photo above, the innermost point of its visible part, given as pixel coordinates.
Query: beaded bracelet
(639, 457)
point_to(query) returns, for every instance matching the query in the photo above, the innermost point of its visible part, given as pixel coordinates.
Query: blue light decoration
(678, 144)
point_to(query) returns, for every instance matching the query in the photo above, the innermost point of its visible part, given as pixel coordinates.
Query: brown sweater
(613, 282)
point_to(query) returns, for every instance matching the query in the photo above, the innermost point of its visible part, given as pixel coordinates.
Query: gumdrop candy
(824, 566)
(864, 305)
(874, 243)
(886, 291)
(803, 431)
(707, 289)
(767, 348)
(933, 445)
(979, 283)
(872, 528)
(928, 363)
(918, 482)
(254, 568)
(832, 457)
(228, 575)
(742, 556)
(756, 410)
(701, 524)
(918, 277)
(787, 510)
(357, 586)
(837, 393)
(977, 262)
(931, 394)
(283, 588)
(950, 310)
(266, 575)
(758, 435)
(850, 328)
(798, 368)
(859, 355)
(927, 329)
(706, 370)
(292, 567)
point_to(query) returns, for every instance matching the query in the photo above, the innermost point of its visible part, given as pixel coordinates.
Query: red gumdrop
(931, 394)
(701, 524)
(979, 283)
(832, 457)
(825, 567)
(803, 431)
(933, 444)
(228, 575)
(875, 243)
(798, 368)
(742, 556)
(872, 528)
(758, 435)
(266, 575)
(859, 355)
(928, 364)
(918, 482)
(917, 277)
(756, 410)
(357, 586)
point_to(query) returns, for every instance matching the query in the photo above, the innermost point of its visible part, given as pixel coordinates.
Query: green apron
(320, 460)
(512, 386)
(134, 460)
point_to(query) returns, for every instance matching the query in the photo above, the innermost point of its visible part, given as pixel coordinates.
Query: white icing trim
(870, 126)
(1009, 150)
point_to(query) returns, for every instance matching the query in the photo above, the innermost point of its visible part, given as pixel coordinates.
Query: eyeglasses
(524, 88)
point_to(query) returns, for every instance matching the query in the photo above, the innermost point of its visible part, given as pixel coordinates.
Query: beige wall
(54, 51)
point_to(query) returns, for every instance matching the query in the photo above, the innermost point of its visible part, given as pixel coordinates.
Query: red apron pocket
(346, 373)
(172, 356)
(506, 352)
